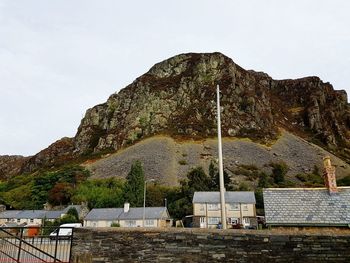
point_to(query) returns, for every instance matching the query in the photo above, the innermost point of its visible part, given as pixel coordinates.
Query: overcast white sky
(59, 58)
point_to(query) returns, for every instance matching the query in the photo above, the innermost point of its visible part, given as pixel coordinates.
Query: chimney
(2, 208)
(126, 207)
(329, 175)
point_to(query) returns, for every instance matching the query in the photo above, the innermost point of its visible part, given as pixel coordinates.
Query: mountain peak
(176, 97)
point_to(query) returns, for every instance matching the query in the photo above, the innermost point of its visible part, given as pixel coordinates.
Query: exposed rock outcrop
(177, 97)
(11, 165)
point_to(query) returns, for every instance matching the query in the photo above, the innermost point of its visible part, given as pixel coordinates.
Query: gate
(24, 245)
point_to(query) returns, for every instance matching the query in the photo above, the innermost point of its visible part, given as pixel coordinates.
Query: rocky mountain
(177, 98)
(11, 165)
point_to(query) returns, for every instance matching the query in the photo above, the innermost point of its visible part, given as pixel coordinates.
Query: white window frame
(245, 207)
(213, 220)
(130, 223)
(201, 207)
(149, 222)
(234, 207)
(213, 207)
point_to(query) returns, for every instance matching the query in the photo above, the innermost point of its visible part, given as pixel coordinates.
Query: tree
(264, 181)
(344, 181)
(279, 170)
(198, 180)
(180, 200)
(156, 194)
(73, 212)
(214, 180)
(100, 193)
(60, 194)
(134, 187)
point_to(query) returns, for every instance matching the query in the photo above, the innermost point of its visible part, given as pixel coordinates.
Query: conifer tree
(134, 186)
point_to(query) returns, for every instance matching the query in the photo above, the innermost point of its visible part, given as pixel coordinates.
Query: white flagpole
(221, 173)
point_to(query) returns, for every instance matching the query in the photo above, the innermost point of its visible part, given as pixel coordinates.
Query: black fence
(30, 245)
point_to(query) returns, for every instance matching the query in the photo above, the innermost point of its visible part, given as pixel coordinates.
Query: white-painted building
(128, 217)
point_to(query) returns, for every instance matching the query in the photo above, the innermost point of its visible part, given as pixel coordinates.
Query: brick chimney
(329, 175)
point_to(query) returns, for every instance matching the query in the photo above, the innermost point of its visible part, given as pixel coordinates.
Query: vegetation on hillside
(71, 184)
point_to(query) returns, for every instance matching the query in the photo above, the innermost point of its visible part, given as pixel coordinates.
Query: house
(327, 206)
(102, 217)
(240, 209)
(128, 217)
(35, 217)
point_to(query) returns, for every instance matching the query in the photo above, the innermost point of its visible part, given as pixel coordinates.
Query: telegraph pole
(221, 173)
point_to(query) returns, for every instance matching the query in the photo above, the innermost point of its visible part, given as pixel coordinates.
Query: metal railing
(28, 245)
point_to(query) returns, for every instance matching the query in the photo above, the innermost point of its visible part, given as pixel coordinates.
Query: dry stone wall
(196, 245)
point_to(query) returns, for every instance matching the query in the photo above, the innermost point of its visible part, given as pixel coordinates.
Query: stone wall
(197, 245)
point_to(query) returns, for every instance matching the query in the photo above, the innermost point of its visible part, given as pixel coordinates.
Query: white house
(128, 217)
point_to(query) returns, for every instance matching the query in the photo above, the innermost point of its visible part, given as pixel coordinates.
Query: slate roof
(245, 197)
(150, 213)
(33, 214)
(133, 213)
(9, 213)
(53, 214)
(104, 214)
(30, 214)
(307, 206)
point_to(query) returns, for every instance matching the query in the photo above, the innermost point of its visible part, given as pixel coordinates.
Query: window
(8, 219)
(130, 223)
(234, 207)
(201, 207)
(31, 220)
(18, 220)
(149, 222)
(232, 220)
(213, 220)
(245, 207)
(213, 207)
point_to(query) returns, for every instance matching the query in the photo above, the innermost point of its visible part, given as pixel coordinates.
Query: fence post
(20, 245)
(58, 231)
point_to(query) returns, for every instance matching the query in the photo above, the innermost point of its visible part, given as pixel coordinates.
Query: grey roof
(30, 214)
(53, 214)
(9, 213)
(246, 197)
(150, 213)
(133, 213)
(104, 214)
(33, 214)
(307, 206)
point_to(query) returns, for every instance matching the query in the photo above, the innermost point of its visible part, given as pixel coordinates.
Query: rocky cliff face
(11, 165)
(177, 97)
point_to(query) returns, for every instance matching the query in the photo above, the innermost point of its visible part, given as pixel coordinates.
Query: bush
(344, 181)
(115, 224)
(279, 170)
(182, 162)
